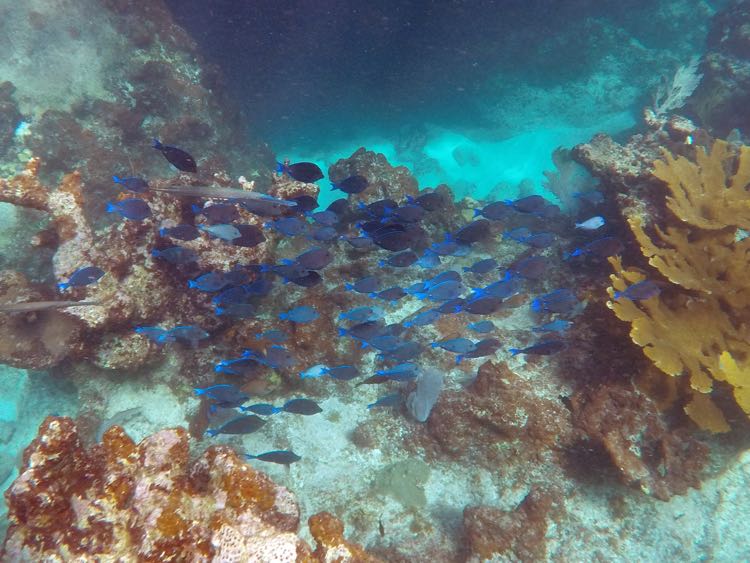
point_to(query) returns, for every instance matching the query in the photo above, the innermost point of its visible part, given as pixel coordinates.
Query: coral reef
(126, 501)
(700, 319)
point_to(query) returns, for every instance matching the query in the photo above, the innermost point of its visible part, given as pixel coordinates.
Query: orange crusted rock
(328, 532)
(120, 501)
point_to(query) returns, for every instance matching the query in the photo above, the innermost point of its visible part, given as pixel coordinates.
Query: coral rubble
(148, 502)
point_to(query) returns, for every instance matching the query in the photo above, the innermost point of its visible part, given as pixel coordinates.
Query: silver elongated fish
(221, 193)
(31, 306)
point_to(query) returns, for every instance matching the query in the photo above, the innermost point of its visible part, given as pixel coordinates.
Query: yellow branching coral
(698, 327)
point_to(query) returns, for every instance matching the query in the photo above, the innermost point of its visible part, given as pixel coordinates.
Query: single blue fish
(316, 258)
(324, 234)
(276, 357)
(403, 371)
(602, 248)
(307, 172)
(342, 373)
(260, 287)
(225, 232)
(81, 277)
(406, 213)
(591, 224)
(540, 240)
(480, 305)
(428, 260)
(559, 325)
(241, 425)
(545, 348)
(237, 294)
(473, 232)
(154, 333)
(237, 310)
(594, 197)
(455, 345)
(238, 366)
(301, 314)
(482, 327)
(402, 259)
(391, 294)
(424, 318)
(518, 234)
(132, 184)
(263, 409)
(176, 157)
(429, 201)
(503, 289)
(289, 226)
(187, 333)
(483, 348)
(217, 212)
(384, 343)
(403, 352)
(531, 268)
(528, 204)
(176, 255)
(132, 208)
(351, 185)
(212, 281)
(482, 266)
(226, 395)
(391, 400)
(302, 406)
(326, 218)
(318, 370)
(558, 301)
(443, 291)
(282, 457)
(640, 291)
(360, 243)
(274, 335)
(368, 284)
(445, 248)
(362, 314)
(495, 211)
(181, 232)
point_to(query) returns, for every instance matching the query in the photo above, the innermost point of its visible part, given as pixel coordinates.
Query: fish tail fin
(617, 294)
(280, 168)
(117, 180)
(163, 232)
(63, 285)
(372, 295)
(536, 305)
(459, 358)
(381, 263)
(514, 351)
(434, 344)
(211, 432)
(410, 199)
(196, 209)
(155, 143)
(284, 316)
(342, 331)
(420, 295)
(111, 207)
(477, 212)
(467, 269)
(155, 253)
(334, 186)
(349, 287)
(251, 456)
(407, 324)
(220, 310)
(192, 284)
(199, 391)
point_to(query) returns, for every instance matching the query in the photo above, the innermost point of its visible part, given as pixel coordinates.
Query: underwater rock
(498, 406)
(720, 101)
(148, 501)
(659, 461)
(10, 116)
(517, 535)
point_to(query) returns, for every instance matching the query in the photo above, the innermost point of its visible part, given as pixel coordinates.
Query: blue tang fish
(132, 208)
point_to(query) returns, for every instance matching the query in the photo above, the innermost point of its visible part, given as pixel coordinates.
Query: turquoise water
(474, 95)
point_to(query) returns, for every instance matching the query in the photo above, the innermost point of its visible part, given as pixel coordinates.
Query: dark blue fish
(482, 305)
(401, 372)
(378, 208)
(238, 366)
(528, 204)
(482, 326)
(342, 373)
(482, 349)
(360, 243)
(132, 208)
(368, 284)
(276, 357)
(237, 310)
(540, 240)
(212, 281)
(236, 294)
(310, 279)
(603, 248)
(132, 184)
(532, 268)
(176, 157)
(81, 277)
(304, 203)
(289, 226)
(240, 425)
(455, 345)
(260, 287)
(473, 232)
(323, 234)
(362, 331)
(594, 197)
(443, 291)
(288, 269)
(406, 213)
(503, 289)
(402, 259)
(153, 333)
(224, 394)
(640, 291)
(301, 314)
(187, 333)
(430, 201)
(559, 325)
(180, 232)
(250, 236)
(223, 231)
(218, 212)
(428, 260)
(351, 185)
(274, 335)
(307, 172)
(542, 349)
(316, 258)
(302, 406)
(282, 457)
(519, 234)
(326, 218)
(362, 314)
(447, 247)
(266, 207)
(482, 266)
(384, 343)
(452, 306)
(423, 319)
(495, 211)
(391, 400)
(391, 294)
(403, 352)
(339, 207)
(263, 409)
(176, 255)
(558, 301)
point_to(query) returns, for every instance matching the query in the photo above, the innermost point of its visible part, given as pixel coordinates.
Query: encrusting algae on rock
(122, 501)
